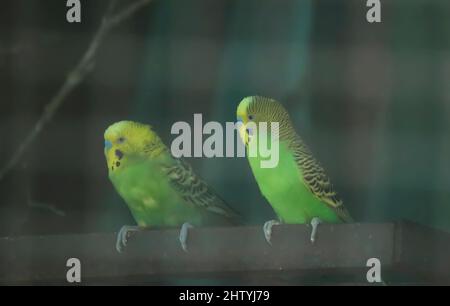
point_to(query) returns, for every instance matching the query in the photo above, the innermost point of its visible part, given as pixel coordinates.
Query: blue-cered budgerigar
(160, 190)
(297, 188)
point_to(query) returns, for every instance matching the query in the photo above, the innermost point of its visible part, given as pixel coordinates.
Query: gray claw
(314, 223)
(267, 228)
(184, 232)
(124, 235)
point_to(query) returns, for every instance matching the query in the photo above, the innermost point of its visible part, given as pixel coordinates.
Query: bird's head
(255, 110)
(127, 140)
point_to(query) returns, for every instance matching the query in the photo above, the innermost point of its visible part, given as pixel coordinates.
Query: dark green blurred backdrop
(371, 100)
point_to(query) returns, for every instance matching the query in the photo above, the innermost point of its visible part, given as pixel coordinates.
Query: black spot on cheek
(119, 154)
(118, 164)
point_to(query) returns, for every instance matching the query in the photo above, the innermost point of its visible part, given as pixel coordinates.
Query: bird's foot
(125, 234)
(184, 233)
(267, 228)
(315, 224)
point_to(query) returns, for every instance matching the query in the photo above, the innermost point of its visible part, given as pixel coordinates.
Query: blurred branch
(76, 76)
(48, 207)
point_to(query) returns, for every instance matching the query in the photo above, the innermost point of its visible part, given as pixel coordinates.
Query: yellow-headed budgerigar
(160, 190)
(297, 188)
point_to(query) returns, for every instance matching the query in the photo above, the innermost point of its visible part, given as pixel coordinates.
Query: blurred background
(371, 100)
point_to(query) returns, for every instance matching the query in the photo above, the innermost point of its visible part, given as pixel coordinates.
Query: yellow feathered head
(126, 140)
(255, 110)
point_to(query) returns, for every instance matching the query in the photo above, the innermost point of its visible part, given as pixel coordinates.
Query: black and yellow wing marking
(195, 191)
(316, 180)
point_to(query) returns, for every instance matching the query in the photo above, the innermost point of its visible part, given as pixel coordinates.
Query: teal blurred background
(371, 100)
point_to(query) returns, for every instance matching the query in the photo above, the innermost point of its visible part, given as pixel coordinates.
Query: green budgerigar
(160, 190)
(297, 188)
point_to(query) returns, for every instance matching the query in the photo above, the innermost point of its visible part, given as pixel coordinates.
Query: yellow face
(124, 139)
(249, 124)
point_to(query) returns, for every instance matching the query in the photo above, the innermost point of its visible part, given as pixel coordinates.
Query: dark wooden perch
(409, 253)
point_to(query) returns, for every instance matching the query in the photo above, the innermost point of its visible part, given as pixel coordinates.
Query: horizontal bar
(225, 250)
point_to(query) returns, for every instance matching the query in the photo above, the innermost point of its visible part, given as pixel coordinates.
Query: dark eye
(120, 139)
(250, 117)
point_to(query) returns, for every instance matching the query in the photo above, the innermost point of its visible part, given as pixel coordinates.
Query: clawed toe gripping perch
(123, 236)
(267, 228)
(127, 230)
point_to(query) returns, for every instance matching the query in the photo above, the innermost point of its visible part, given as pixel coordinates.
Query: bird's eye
(120, 139)
(250, 117)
